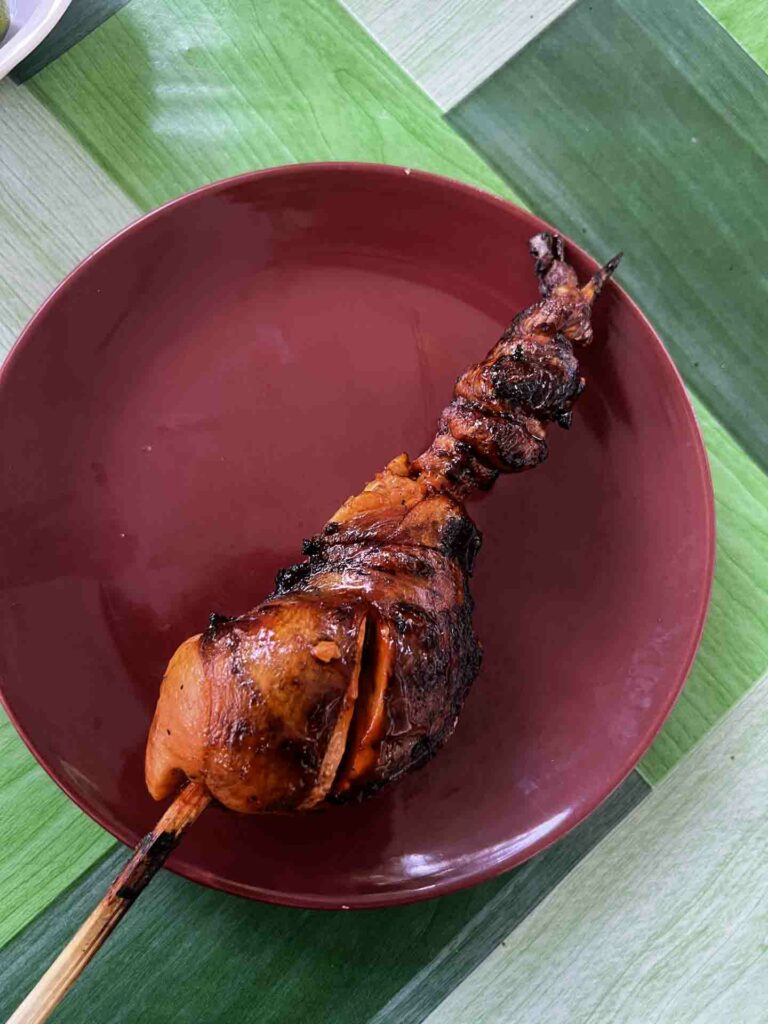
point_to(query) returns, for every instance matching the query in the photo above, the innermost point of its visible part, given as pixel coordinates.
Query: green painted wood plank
(186, 954)
(56, 206)
(168, 95)
(80, 18)
(450, 46)
(747, 22)
(46, 842)
(666, 921)
(524, 890)
(640, 125)
(734, 649)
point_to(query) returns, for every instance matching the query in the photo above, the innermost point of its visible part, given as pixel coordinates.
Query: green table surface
(639, 124)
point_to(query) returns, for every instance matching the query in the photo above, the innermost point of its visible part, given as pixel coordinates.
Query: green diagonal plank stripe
(641, 125)
(664, 923)
(189, 955)
(747, 22)
(46, 841)
(734, 649)
(170, 94)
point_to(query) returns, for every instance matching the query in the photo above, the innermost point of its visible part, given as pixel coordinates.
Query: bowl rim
(13, 49)
(473, 875)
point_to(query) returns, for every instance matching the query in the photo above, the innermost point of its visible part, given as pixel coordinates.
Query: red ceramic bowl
(205, 390)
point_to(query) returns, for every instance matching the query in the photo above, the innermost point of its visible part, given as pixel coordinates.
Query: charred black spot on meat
(293, 576)
(461, 540)
(216, 625)
(303, 753)
(421, 567)
(402, 615)
(529, 392)
(219, 627)
(424, 750)
(237, 663)
(468, 470)
(312, 546)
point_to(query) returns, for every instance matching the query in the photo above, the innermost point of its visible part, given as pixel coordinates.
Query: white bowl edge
(25, 33)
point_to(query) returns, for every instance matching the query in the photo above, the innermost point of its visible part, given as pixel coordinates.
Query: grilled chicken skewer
(355, 669)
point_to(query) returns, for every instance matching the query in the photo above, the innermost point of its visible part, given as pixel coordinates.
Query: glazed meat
(356, 667)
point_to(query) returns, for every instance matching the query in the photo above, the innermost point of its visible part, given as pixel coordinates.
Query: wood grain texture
(612, 125)
(747, 22)
(208, 91)
(524, 890)
(56, 206)
(665, 921)
(734, 650)
(450, 46)
(138, 871)
(187, 954)
(80, 18)
(47, 842)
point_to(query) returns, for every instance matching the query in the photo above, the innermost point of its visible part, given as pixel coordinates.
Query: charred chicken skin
(355, 669)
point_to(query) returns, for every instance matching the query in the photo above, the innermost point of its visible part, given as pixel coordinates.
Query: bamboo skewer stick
(148, 857)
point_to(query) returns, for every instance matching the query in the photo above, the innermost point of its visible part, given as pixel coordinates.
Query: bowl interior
(202, 394)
